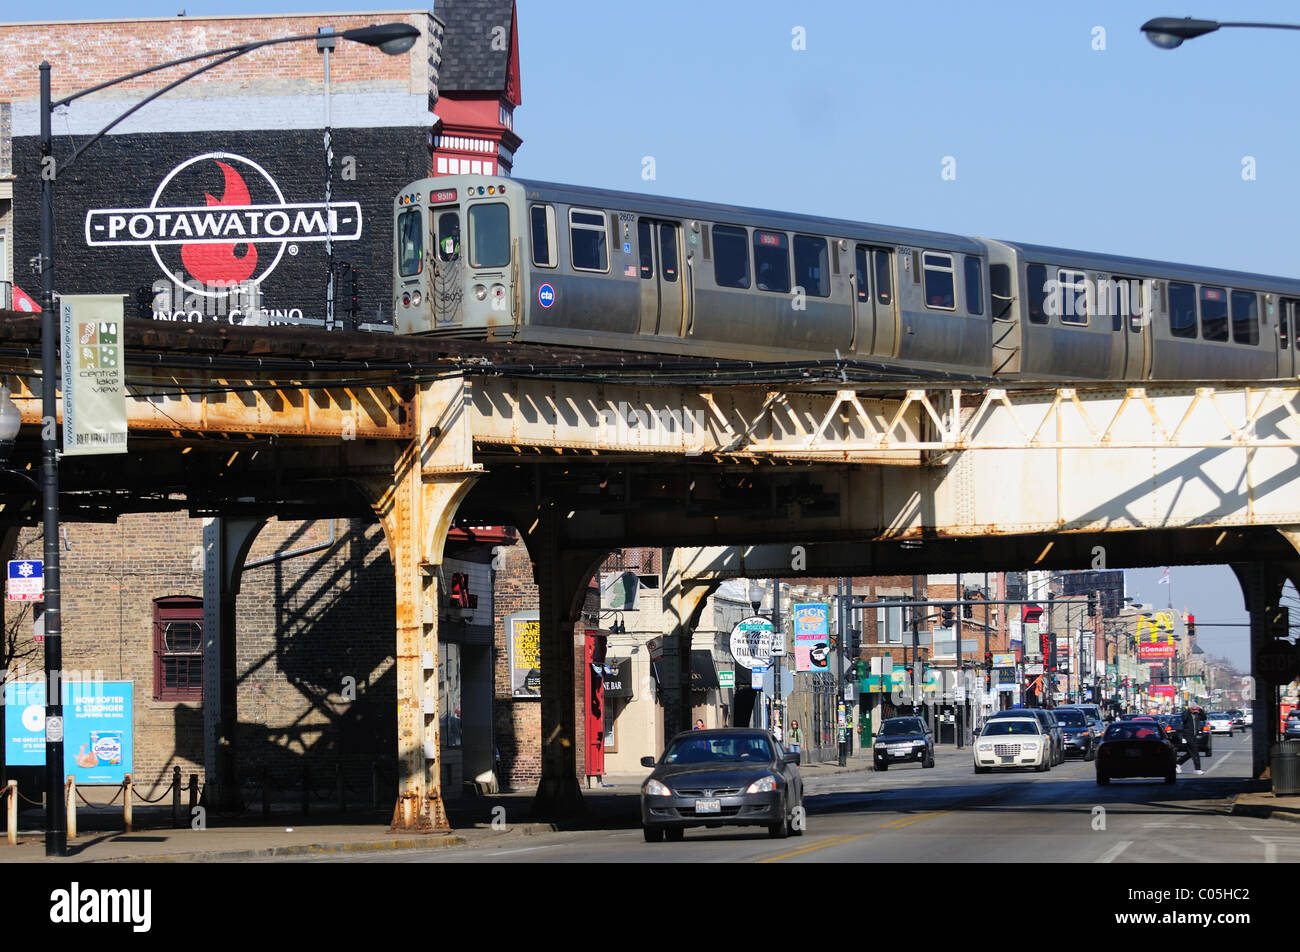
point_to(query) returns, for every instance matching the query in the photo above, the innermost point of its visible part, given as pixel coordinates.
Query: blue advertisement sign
(97, 718)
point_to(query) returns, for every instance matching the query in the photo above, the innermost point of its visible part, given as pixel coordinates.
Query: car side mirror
(792, 757)
(647, 761)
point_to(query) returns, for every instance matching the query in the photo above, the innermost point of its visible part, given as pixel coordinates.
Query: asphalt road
(950, 814)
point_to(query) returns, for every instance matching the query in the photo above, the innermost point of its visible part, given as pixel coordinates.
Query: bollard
(306, 790)
(176, 798)
(266, 793)
(194, 792)
(71, 792)
(11, 813)
(126, 802)
(343, 800)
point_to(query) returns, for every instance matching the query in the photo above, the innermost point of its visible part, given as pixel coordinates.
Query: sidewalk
(1266, 806)
(101, 838)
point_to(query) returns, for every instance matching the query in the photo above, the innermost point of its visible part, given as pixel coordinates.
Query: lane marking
(1113, 853)
(1218, 761)
(845, 838)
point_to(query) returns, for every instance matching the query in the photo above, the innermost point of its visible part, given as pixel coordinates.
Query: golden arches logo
(1160, 627)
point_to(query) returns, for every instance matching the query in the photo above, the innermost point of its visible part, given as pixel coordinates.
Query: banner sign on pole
(94, 388)
(812, 636)
(97, 728)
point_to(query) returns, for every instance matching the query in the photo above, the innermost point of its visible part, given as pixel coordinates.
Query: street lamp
(391, 38)
(1169, 32)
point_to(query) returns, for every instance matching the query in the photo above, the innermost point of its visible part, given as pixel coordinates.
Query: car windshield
(718, 749)
(1071, 719)
(999, 728)
(907, 726)
(1131, 731)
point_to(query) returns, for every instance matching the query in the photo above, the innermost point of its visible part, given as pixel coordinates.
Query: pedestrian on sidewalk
(1191, 729)
(796, 736)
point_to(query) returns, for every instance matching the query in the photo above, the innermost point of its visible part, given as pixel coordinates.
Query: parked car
(725, 777)
(1050, 727)
(1219, 723)
(1291, 731)
(1013, 742)
(1135, 748)
(1076, 732)
(1238, 717)
(903, 740)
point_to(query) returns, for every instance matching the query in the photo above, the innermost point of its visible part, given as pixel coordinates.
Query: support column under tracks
(431, 475)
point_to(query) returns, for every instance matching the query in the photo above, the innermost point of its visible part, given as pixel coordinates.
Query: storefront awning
(704, 676)
(618, 677)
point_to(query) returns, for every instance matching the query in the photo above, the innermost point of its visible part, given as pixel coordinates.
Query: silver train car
(502, 259)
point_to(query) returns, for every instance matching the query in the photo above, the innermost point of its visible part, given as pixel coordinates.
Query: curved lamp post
(391, 38)
(1169, 32)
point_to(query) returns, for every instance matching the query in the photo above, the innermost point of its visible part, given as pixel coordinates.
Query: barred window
(178, 648)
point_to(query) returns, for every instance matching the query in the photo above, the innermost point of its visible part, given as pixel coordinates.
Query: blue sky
(1125, 149)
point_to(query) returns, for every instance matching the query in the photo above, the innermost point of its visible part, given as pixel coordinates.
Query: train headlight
(415, 299)
(480, 292)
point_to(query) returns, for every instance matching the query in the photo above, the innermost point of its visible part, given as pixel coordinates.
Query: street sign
(656, 648)
(1033, 669)
(26, 580)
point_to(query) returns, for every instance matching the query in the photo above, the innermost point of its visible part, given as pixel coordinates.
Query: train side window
(730, 257)
(410, 243)
(884, 283)
(940, 290)
(1182, 310)
(1072, 288)
(668, 251)
(1245, 317)
(588, 240)
(771, 261)
(863, 269)
(1214, 314)
(644, 238)
(1000, 289)
(1036, 293)
(811, 261)
(449, 236)
(974, 286)
(542, 222)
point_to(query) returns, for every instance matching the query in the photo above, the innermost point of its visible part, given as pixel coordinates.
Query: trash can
(1286, 769)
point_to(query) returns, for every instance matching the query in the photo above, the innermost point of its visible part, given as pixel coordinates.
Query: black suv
(904, 740)
(1076, 733)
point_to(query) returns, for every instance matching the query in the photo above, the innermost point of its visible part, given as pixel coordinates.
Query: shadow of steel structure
(737, 473)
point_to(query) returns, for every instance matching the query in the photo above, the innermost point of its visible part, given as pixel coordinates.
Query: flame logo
(217, 264)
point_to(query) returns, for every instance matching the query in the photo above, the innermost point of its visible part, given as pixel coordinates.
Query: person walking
(1191, 737)
(796, 737)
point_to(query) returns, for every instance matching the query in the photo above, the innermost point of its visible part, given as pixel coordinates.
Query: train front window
(410, 243)
(1214, 314)
(810, 266)
(489, 235)
(771, 261)
(1036, 293)
(588, 241)
(1245, 317)
(449, 236)
(1182, 310)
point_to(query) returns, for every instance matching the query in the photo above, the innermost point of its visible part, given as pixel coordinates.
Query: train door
(659, 258)
(1288, 315)
(445, 225)
(875, 318)
(1131, 314)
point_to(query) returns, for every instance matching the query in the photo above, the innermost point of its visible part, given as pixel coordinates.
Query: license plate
(1132, 753)
(900, 751)
(708, 806)
(1008, 759)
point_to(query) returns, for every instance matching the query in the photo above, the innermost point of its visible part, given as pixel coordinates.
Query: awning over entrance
(704, 676)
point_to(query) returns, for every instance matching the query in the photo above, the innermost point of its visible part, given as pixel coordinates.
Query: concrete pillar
(562, 577)
(682, 607)
(225, 547)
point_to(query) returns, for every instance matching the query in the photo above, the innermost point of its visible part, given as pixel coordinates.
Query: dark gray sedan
(728, 777)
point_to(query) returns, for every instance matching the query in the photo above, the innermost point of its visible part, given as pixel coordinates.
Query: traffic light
(1092, 604)
(1191, 626)
(988, 661)
(947, 616)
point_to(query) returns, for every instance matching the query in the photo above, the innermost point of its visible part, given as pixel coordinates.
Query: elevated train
(503, 259)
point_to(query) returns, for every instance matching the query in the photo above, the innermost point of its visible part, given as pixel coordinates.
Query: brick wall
(518, 722)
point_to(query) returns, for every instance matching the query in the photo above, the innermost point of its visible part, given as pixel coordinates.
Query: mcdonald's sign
(1155, 637)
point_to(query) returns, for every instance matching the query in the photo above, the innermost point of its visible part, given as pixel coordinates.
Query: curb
(1265, 811)
(304, 849)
